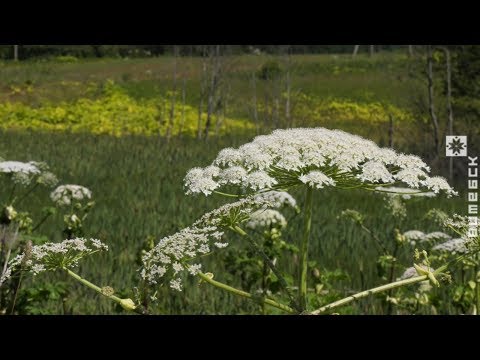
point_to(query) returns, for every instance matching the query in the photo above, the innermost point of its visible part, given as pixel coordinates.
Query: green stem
(93, 286)
(307, 225)
(477, 287)
(374, 237)
(28, 192)
(270, 264)
(40, 223)
(392, 276)
(265, 272)
(227, 195)
(244, 294)
(10, 198)
(366, 293)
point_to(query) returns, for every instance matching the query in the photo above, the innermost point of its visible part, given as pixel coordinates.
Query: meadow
(96, 123)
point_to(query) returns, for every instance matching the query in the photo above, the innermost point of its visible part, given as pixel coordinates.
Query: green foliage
(113, 113)
(271, 70)
(66, 59)
(37, 298)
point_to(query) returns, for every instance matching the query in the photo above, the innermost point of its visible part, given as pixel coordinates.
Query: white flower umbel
(277, 199)
(173, 254)
(197, 180)
(317, 157)
(317, 179)
(267, 218)
(454, 246)
(21, 173)
(11, 167)
(436, 236)
(415, 237)
(53, 256)
(64, 195)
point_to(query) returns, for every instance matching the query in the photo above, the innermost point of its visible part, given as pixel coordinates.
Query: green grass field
(137, 180)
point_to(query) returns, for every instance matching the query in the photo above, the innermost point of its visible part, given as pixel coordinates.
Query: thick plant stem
(244, 294)
(366, 293)
(97, 289)
(307, 225)
(477, 288)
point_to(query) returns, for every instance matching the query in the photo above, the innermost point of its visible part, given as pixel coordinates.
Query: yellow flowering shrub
(114, 113)
(317, 111)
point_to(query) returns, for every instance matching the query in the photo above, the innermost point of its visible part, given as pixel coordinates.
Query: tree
(355, 50)
(214, 83)
(448, 68)
(174, 93)
(431, 105)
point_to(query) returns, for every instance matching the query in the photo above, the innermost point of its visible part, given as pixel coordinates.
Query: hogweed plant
(76, 199)
(442, 247)
(313, 159)
(23, 252)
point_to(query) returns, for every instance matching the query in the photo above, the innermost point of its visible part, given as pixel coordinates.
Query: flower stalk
(367, 293)
(307, 225)
(244, 294)
(127, 304)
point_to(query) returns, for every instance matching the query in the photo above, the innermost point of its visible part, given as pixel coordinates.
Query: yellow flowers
(316, 110)
(114, 113)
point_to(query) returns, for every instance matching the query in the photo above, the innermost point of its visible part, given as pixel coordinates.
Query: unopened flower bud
(128, 304)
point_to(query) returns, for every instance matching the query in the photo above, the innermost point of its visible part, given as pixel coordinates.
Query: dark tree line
(85, 51)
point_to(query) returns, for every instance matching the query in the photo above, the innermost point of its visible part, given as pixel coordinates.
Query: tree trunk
(372, 50)
(288, 85)
(15, 52)
(174, 94)
(390, 132)
(410, 50)
(431, 106)
(355, 50)
(212, 89)
(448, 68)
(202, 94)
(255, 107)
(182, 121)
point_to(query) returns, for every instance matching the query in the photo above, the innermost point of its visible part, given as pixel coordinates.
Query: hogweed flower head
(277, 199)
(266, 218)
(13, 167)
(64, 195)
(454, 246)
(54, 256)
(25, 173)
(315, 157)
(173, 254)
(418, 237)
(396, 207)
